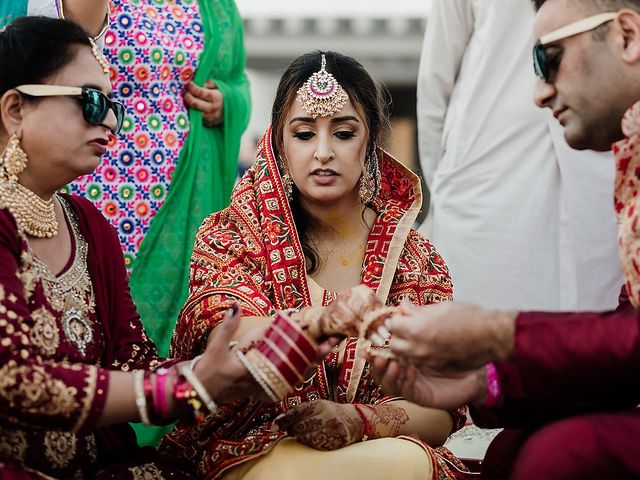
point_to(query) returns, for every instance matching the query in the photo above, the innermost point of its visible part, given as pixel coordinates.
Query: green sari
(202, 182)
(10, 10)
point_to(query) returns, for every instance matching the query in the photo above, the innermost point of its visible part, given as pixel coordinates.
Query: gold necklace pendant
(76, 326)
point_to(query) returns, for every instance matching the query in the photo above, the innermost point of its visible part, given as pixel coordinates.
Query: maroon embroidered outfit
(59, 337)
(250, 253)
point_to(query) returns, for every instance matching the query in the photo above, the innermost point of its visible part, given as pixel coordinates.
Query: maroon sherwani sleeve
(568, 363)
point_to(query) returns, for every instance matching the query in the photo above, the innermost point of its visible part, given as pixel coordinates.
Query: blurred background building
(385, 36)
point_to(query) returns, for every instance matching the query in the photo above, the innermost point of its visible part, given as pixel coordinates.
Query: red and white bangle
(494, 392)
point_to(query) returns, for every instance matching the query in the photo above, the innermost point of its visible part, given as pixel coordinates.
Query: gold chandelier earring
(36, 216)
(287, 180)
(13, 160)
(368, 180)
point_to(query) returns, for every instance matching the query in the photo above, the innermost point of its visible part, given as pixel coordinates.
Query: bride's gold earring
(368, 188)
(287, 180)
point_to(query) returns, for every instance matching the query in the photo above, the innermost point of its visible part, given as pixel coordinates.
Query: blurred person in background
(89, 14)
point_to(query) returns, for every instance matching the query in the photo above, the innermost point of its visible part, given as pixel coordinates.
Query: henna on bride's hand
(330, 434)
(386, 419)
(323, 425)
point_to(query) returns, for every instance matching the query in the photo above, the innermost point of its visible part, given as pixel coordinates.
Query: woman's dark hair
(367, 99)
(33, 48)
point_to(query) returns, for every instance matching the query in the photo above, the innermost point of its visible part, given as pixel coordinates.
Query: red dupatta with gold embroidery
(250, 253)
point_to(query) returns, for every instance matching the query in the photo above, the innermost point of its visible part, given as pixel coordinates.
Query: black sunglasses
(541, 64)
(95, 104)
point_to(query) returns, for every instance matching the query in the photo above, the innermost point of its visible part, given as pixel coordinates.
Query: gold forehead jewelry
(99, 56)
(322, 95)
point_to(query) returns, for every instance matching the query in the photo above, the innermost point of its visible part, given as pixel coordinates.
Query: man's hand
(427, 388)
(451, 337)
(208, 100)
(323, 425)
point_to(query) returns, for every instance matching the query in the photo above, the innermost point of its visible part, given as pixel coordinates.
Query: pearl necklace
(36, 216)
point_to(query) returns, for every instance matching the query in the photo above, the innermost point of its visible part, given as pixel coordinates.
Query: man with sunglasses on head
(564, 384)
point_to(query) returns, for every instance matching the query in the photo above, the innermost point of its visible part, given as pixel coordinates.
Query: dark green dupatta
(201, 184)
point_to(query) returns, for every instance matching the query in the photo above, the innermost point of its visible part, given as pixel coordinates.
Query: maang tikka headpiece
(322, 95)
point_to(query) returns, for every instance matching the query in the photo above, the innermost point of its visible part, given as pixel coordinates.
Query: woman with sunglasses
(176, 161)
(75, 362)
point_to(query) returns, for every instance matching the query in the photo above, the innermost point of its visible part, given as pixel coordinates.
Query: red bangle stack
(189, 405)
(157, 397)
(283, 356)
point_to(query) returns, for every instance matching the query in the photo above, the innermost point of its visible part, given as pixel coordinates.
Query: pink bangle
(148, 395)
(160, 397)
(494, 393)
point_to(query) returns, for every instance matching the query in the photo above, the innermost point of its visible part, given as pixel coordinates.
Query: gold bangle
(269, 373)
(257, 377)
(141, 401)
(194, 360)
(198, 387)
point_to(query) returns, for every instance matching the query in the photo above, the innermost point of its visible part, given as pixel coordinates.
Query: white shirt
(45, 8)
(523, 221)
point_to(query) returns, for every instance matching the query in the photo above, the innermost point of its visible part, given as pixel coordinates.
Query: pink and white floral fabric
(153, 47)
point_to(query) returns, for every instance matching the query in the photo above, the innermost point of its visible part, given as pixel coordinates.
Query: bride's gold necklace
(36, 216)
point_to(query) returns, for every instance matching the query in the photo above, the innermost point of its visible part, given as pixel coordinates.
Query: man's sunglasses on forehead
(540, 60)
